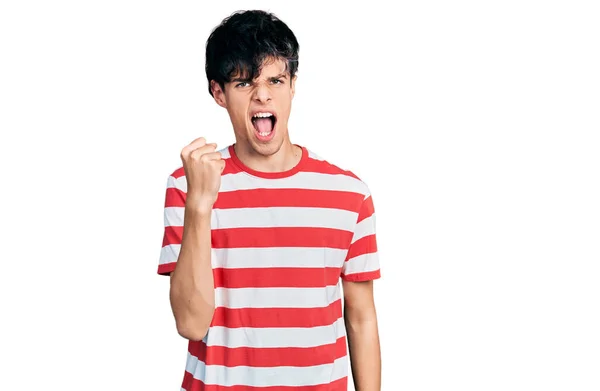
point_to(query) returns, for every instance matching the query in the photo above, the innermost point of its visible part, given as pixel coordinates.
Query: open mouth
(264, 124)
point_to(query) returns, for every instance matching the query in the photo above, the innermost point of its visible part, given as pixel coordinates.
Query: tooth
(262, 115)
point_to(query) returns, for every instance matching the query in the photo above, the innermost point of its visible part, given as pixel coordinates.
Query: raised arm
(192, 286)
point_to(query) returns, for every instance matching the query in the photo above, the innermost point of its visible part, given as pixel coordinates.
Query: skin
(192, 292)
(273, 90)
(360, 318)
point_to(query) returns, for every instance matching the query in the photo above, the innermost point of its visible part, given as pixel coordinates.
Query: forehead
(271, 67)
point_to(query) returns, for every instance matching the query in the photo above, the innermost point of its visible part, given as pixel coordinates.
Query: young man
(259, 235)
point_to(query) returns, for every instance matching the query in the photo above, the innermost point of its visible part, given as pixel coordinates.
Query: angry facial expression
(259, 109)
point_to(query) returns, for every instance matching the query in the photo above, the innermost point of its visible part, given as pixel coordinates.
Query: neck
(286, 158)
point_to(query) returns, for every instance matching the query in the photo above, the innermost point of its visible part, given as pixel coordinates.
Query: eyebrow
(280, 76)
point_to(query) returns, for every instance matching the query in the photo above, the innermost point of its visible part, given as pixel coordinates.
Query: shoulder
(336, 173)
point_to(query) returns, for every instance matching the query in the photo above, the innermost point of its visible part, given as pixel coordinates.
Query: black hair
(243, 41)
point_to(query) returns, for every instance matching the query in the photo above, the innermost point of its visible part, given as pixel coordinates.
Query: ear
(293, 85)
(218, 94)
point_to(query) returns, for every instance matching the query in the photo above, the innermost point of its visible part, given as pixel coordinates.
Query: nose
(262, 93)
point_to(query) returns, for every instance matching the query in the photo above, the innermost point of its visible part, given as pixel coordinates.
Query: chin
(267, 148)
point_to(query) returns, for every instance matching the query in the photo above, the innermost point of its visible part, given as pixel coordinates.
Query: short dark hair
(243, 41)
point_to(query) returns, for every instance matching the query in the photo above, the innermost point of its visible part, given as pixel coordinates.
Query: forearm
(365, 354)
(192, 285)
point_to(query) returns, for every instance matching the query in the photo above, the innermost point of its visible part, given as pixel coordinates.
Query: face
(259, 109)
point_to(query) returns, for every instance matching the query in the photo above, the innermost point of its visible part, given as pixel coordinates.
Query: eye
(240, 84)
(278, 80)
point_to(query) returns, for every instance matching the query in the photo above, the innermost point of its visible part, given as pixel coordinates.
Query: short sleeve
(174, 210)
(362, 259)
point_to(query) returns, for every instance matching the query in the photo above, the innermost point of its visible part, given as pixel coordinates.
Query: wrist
(199, 211)
(199, 205)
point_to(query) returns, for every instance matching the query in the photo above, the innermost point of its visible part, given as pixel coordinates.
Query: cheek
(285, 100)
(239, 115)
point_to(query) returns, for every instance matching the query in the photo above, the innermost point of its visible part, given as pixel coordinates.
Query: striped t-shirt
(281, 242)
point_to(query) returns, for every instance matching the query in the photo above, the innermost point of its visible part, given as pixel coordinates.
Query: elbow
(192, 333)
(195, 329)
(193, 312)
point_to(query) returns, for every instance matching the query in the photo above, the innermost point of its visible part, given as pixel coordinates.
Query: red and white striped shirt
(280, 244)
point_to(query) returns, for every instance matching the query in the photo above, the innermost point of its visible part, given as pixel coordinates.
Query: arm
(360, 268)
(187, 244)
(363, 335)
(192, 294)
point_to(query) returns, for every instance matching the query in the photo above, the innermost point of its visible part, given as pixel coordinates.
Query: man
(260, 234)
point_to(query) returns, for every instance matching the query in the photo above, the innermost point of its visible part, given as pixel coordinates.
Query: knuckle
(194, 156)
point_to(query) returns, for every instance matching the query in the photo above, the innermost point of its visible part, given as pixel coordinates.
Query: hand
(203, 168)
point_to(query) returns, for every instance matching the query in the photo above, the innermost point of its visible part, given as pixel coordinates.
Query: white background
(475, 124)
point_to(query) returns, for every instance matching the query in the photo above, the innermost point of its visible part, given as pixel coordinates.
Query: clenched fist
(203, 167)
